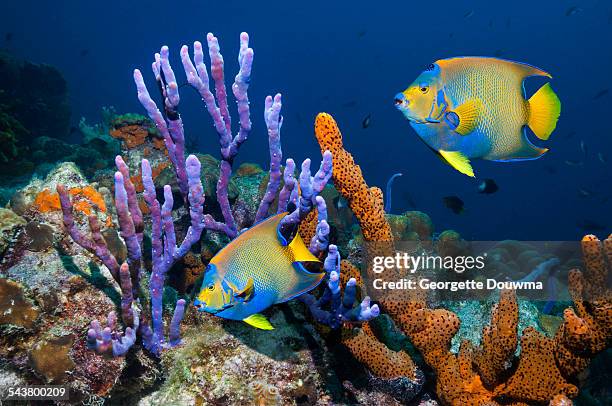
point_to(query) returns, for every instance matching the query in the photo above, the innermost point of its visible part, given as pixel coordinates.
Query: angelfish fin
(258, 321)
(300, 251)
(458, 161)
(544, 111)
(247, 292)
(468, 114)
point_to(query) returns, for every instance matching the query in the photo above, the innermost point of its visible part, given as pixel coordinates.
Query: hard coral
(15, 309)
(51, 358)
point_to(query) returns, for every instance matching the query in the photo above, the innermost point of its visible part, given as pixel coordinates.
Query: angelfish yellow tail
(544, 111)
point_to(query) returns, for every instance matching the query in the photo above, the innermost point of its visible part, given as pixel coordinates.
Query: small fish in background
(469, 14)
(583, 148)
(8, 37)
(454, 203)
(601, 93)
(570, 135)
(460, 108)
(508, 23)
(350, 103)
(582, 192)
(572, 11)
(602, 158)
(366, 121)
(590, 226)
(573, 162)
(488, 186)
(73, 129)
(498, 53)
(491, 23)
(451, 35)
(84, 52)
(361, 33)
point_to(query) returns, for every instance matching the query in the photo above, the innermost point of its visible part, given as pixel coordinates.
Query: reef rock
(50, 290)
(36, 95)
(228, 362)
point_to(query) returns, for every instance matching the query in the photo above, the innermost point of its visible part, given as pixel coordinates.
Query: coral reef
(96, 272)
(483, 375)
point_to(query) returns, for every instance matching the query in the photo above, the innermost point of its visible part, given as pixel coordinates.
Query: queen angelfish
(476, 107)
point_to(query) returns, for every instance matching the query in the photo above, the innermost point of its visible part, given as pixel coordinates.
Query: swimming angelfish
(255, 271)
(476, 107)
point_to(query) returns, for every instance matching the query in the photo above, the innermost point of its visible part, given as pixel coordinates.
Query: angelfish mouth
(400, 101)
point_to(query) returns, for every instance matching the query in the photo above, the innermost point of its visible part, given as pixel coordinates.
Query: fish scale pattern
(498, 84)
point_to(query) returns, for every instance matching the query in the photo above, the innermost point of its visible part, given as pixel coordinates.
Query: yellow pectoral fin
(300, 251)
(258, 321)
(458, 161)
(468, 114)
(544, 111)
(247, 292)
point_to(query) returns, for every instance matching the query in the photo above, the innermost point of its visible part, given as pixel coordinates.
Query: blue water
(349, 59)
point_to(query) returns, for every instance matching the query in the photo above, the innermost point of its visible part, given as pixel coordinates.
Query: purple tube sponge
(274, 121)
(127, 225)
(131, 226)
(96, 245)
(170, 127)
(110, 341)
(310, 187)
(320, 240)
(165, 252)
(287, 194)
(217, 106)
(341, 309)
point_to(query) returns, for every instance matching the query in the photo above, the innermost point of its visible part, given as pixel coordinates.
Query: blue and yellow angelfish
(476, 107)
(255, 271)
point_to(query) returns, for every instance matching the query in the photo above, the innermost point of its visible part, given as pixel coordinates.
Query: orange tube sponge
(366, 203)
(499, 339)
(537, 377)
(379, 359)
(586, 330)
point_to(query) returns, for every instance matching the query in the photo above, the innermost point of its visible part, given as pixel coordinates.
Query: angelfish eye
(211, 287)
(424, 89)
